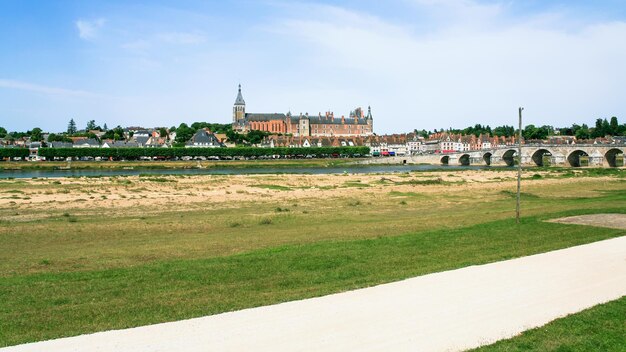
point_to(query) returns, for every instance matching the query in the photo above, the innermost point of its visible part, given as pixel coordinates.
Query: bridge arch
(574, 158)
(445, 159)
(612, 157)
(464, 160)
(509, 157)
(487, 158)
(538, 156)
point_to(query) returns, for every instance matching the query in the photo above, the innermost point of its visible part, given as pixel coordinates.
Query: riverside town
(336, 176)
(304, 135)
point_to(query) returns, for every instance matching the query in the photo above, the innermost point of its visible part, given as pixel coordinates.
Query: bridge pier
(497, 161)
(596, 159)
(558, 159)
(477, 161)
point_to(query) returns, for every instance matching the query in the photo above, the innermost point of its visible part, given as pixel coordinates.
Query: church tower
(369, 120)
(239, 109)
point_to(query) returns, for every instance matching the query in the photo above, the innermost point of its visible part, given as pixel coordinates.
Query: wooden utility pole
(519, 166)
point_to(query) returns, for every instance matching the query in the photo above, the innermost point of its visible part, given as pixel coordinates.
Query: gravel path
(447, 311)
(615, 221)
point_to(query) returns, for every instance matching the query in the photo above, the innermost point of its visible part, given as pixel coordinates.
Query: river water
(356, 169)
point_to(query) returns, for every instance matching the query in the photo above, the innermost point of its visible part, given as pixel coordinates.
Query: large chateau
(327, 125)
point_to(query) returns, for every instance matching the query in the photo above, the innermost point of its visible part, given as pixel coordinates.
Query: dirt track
(447, 311)
(614, 221)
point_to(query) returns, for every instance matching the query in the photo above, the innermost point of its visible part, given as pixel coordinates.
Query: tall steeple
(239, 110)
(239, 100)
(370, 121)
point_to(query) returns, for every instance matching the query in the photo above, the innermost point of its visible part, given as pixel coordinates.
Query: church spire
(239, 100)
(239, 110)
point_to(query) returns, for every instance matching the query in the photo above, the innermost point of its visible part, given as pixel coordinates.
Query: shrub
(265, 221)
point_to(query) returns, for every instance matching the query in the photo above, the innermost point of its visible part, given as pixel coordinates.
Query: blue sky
(418, 63)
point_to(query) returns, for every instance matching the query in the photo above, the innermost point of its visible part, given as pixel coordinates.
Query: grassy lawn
(601, 328)
(69, 267)
(48, 305)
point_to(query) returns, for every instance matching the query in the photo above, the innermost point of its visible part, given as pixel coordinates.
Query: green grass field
(75, 267)
(601, 328)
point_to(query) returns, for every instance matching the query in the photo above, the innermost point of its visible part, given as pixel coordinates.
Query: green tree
(583, 132)
(71, 127)
(598, 131)
(183, 134)
(163, 132)
(199, 125)
(255, 137)
(422, 133)
(614, 126)
(476, 130)
(35, 135)
(213, 127)
(606, 128)
(235, 137)
(108, 134)
(91, 125)
(547, 130)
(58, 138)
(3, 132)
(117, 134)
(537, 133)
(504, 131)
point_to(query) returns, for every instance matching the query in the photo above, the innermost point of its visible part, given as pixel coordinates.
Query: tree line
(170, 153)
(602, 128)
(184, 132)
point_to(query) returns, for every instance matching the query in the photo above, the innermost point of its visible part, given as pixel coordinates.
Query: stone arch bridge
(573, 155)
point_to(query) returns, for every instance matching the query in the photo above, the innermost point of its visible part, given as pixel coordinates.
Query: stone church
(327, 125)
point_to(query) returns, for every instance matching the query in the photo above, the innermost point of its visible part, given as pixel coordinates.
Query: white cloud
(464, 73)
(88, 30)
(47, 90)
(419, 63)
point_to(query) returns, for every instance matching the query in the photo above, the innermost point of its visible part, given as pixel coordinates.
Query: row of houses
(394, 144)
(132, 137)
(412, 144)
